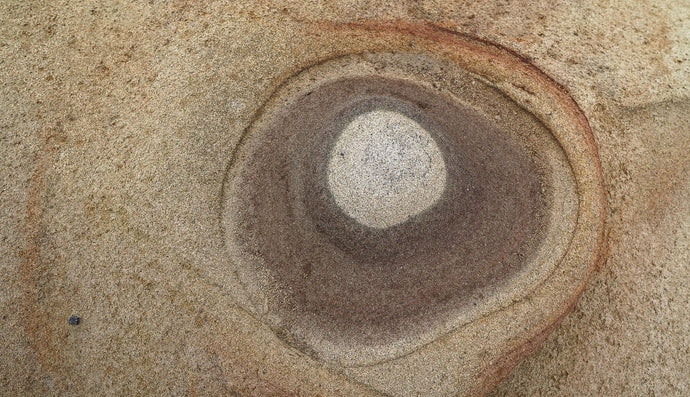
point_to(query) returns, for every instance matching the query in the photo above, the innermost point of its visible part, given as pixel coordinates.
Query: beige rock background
(115, 119)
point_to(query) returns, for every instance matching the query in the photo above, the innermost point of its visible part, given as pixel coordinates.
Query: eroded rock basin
(373, 210)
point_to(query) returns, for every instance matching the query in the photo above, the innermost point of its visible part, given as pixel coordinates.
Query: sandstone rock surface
(117, 121)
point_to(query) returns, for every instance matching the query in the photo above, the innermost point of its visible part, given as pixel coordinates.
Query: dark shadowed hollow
(333, 276)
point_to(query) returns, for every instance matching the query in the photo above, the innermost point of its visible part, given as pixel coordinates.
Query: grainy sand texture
(339, 198)
(385, 168)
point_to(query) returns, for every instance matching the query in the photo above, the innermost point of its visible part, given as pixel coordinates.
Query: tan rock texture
(116, 123)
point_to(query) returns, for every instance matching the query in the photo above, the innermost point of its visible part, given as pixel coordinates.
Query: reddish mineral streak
(31, 271)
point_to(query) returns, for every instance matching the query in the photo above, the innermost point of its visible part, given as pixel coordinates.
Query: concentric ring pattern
(351, 289)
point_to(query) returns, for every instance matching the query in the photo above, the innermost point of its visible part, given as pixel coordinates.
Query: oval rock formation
(375, 206)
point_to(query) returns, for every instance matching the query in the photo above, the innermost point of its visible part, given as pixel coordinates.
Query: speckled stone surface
(385, 168)
(116, 123)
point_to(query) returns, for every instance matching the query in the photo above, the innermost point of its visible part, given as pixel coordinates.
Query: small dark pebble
(74, 320)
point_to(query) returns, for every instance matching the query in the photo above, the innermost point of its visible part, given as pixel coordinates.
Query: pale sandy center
(385, 168)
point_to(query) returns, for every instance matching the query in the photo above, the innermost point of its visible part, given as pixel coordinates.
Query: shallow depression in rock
(385, 168)
(459, 208)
